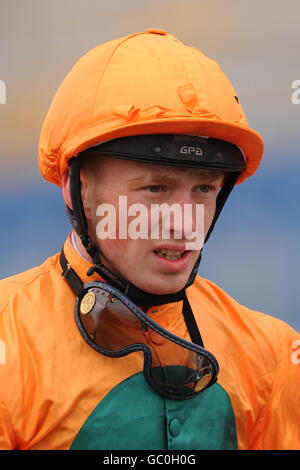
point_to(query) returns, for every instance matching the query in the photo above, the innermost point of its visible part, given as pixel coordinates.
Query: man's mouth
(170, 254)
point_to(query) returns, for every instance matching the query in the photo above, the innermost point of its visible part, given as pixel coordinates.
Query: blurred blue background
(253, 252)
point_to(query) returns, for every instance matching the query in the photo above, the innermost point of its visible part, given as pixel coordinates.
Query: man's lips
(170, 251)
(170, 246)
(172, 257)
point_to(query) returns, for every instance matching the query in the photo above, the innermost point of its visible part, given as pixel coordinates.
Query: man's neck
(78, 246)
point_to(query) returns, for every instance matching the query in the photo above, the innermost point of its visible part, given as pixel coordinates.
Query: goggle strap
(70, 275)
(191, 323)
(76, 285)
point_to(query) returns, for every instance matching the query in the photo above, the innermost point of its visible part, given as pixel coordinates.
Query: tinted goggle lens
(115, 326)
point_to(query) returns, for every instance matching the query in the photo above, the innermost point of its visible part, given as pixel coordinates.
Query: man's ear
(84, 192)
(85, 185)
(66, 189)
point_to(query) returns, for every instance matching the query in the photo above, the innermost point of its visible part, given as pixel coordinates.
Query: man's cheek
(114, 247)
(121, 249)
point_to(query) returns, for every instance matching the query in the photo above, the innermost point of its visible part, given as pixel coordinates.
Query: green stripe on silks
(133, 417)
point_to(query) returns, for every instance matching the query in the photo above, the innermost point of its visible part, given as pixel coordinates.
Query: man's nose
(184, 219)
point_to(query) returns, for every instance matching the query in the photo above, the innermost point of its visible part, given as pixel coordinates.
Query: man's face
(158, 266)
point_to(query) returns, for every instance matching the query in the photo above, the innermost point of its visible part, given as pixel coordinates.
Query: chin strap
(135, 294)
(222, 197)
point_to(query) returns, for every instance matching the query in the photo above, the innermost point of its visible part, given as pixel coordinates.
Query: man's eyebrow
(166, 178)
(156, 178)
(213, 174)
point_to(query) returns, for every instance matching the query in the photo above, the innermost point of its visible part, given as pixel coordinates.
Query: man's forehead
(146, 171)
(134, 171)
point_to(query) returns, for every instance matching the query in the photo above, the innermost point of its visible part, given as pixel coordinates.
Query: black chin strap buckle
(92, 270)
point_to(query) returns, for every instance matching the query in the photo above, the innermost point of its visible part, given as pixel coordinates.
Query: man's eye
(204, 188)
(154, 188)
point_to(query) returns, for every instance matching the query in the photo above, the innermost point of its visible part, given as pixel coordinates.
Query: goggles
(115, 327)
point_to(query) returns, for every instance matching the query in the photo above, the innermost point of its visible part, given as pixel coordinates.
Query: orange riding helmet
(145, 84)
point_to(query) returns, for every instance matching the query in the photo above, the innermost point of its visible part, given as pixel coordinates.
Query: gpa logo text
(187, 150)
(2, 92)
(296, 94)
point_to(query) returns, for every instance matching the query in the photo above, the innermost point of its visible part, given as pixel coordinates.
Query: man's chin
(163, 286)
(154, 281)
